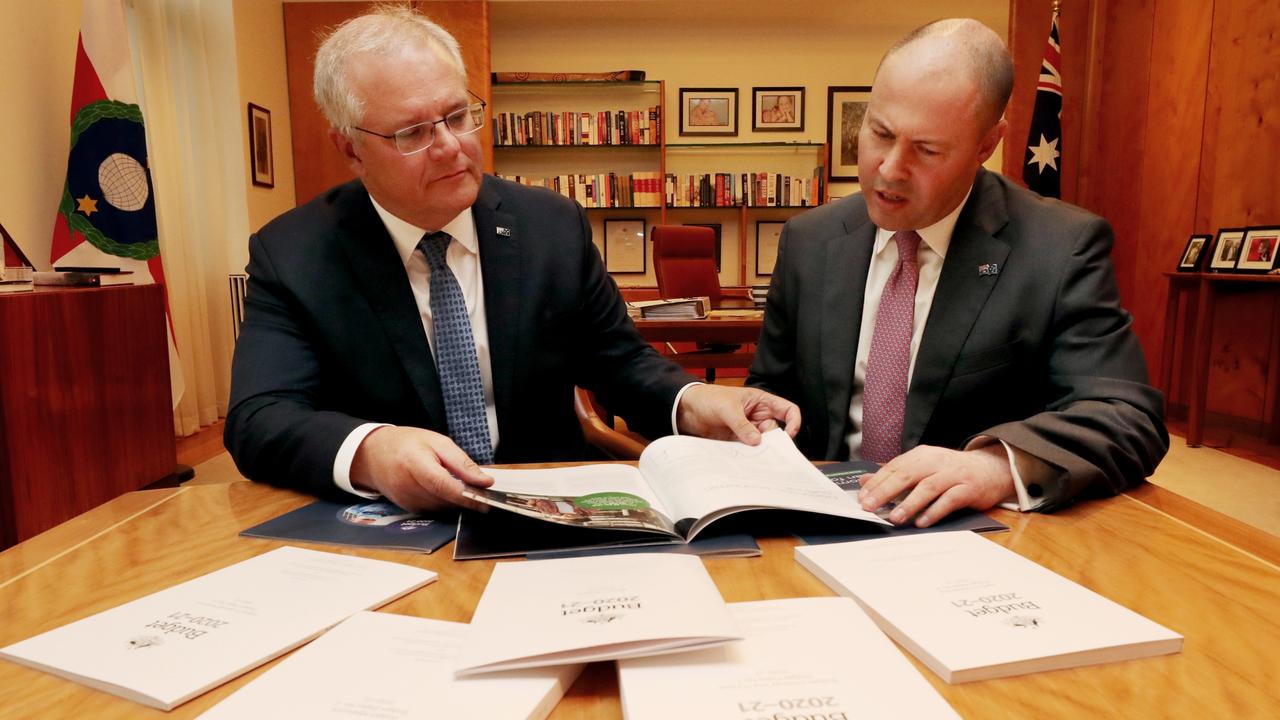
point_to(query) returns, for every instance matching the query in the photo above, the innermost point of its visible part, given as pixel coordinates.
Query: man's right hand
(417, 469)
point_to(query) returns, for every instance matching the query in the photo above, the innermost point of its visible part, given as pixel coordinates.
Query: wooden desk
(85, 413)
(1208, 286)
(1226, 601)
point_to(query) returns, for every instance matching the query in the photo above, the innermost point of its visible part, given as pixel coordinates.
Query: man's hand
(725, 413)
(417, 469)
(941, 481)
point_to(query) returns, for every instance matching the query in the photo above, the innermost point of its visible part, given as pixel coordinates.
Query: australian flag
(1042, 169)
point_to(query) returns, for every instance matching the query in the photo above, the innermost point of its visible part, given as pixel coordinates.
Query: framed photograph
(261, 161)
(709, 111)
(777, 108)
(1259, 251)
(846, 104)
(767, 234)
(624, 245)
(1193, 257)
(716, 228)
(1226, 251)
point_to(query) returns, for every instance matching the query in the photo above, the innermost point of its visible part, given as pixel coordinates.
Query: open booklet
(683, 485)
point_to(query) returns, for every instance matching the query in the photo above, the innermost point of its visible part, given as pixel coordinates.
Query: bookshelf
(553, 155)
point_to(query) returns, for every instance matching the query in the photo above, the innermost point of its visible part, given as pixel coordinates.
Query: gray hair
(382, 31)
(989, 59)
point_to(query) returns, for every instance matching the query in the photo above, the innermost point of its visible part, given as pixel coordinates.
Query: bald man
(959, 330)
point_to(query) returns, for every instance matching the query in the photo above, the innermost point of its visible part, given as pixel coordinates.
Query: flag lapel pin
(504, 232)
(989, 269)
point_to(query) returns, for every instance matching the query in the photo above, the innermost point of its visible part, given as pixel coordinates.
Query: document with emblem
(554, 612)
(381, 665)
(799, 658)
(168, 647)
(972, 610)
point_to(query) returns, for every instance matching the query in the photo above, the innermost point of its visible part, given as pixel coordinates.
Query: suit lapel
(500, 263)
(381, 277)
(847, 260)
(961, 295)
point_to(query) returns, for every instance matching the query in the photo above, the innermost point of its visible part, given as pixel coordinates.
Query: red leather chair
(684, 259)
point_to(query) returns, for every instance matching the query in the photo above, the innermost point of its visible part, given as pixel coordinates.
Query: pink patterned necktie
(884, 396)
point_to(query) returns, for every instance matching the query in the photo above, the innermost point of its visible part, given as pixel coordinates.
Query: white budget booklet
(165, 648)
(801, 658)
(380, 665)
(550, 612)
(972, 610)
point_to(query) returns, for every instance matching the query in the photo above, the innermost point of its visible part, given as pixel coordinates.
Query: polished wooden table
(1216, 582)
(724, 327)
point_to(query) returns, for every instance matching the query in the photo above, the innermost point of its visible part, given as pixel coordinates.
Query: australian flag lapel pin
(503, 231)
(989, 269)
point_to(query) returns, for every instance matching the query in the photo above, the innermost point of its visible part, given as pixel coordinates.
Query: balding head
(966, 46)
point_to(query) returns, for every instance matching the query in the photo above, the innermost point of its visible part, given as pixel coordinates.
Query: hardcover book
(554, 612)
(972, 610)
(381, 665)
(165, 648)
(799, 658)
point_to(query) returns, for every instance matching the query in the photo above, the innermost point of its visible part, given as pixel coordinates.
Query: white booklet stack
(550, 612)
(164, 649)
(972, 610)
(801, 658)
(380, 665)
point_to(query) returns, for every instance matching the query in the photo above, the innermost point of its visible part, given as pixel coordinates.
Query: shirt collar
(937, 236)
(406, 235)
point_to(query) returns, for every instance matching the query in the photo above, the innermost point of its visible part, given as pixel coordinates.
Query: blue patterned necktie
(456, 361)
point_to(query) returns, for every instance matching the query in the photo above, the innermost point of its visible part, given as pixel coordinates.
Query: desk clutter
(685, 308)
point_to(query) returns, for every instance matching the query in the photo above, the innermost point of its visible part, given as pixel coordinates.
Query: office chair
(684, 259)
(602, 431)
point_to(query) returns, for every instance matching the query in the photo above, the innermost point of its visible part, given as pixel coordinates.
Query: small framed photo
(1193, 257)
(261, 160)
(715, 227)
(1226, 251)
(1259, 251)
(768, 232)
(777, 108)
(846, 105)
(624, 246)
(709, 111)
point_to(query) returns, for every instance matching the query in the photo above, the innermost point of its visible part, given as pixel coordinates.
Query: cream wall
(37, 52)
(723, 44)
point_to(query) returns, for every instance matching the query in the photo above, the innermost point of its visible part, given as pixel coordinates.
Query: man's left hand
(940, 482)
(726, 413)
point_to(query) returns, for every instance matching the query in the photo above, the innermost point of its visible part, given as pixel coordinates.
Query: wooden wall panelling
(317, 165)
(1240, 185)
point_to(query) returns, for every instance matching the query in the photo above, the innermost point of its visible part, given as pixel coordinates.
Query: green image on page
(611, 501)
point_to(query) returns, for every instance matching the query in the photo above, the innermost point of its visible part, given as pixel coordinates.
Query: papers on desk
(164, 649)
(972, 610)
(380, 665)
(552, 612)
(687, 308)
(801, 658)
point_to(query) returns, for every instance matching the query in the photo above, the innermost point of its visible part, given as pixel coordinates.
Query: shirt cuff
(1029, 472)
(675, 407)
(346, 454)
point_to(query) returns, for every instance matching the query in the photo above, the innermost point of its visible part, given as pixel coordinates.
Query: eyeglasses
(416, 138)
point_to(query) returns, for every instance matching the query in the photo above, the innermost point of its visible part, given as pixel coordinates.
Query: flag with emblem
(1042, 170)
(107, 214)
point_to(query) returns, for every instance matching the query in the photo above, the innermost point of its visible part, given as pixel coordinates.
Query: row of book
(604, 190)
(758, 189)
(604, 127)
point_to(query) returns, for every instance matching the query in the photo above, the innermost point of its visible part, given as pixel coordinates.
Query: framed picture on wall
(1226, 251)
(1195, 253)
(767, 234)
(261, 162)
(709, 111)
(1258, 254)
(846, 104)
(715, 227)
(624, 246)
(777, 109)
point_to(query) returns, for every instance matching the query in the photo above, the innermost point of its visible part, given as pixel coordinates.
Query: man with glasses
(404, 328)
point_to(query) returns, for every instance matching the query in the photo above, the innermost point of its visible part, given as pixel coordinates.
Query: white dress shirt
(935, 240)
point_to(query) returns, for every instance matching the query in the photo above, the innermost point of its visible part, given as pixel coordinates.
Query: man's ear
(347, 149)
(992, 140)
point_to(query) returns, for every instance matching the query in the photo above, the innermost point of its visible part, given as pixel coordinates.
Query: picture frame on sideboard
(1258, 253)
(1195, 253)
(1226, 249)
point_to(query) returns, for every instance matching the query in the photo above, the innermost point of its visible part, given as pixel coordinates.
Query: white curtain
(185, 60)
